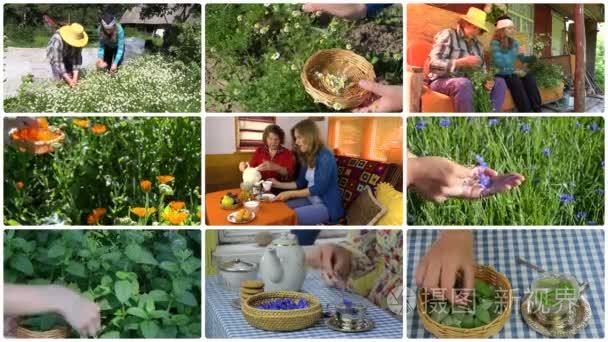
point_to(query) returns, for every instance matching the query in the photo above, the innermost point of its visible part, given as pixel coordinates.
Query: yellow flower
(165, 179)
(145, 185)
(175, 217)
(99, 129)
(141, 212)
(82, 123)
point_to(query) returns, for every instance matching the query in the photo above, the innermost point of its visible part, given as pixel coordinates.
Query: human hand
(389, 98)
(346, 11)
(333, 260)
(113, 68)
(283, 196)
(10, 326)
(267, 166)
(101, 64)
(521, 50)
(471, 61)
(242, 166)
(489, 84)
(438, 269)
(82, 314)
(438, 179)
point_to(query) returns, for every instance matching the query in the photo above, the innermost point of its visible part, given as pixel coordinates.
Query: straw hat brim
(73, 42)
(476, 24)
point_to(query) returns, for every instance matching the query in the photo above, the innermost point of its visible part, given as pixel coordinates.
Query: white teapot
(251, 175)
(282, 265)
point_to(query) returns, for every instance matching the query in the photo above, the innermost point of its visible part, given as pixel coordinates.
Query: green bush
(548, 75)
(151, 83)
(147, 283)
(104, 171)
(255, 53)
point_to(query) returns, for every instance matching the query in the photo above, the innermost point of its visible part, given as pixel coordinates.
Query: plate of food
(241, 216)
(268, 197)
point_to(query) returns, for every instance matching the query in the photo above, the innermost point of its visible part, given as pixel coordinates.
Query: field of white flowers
(152, 84)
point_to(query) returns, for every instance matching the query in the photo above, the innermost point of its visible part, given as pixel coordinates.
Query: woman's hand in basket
(387, 98)
(333, 260)
(438, 270)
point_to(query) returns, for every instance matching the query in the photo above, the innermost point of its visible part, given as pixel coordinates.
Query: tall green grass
(574, 166)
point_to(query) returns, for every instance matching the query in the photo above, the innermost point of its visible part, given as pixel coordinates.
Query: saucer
(558, 326)
(364, 325)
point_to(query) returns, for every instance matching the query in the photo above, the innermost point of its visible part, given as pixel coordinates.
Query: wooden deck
(592, 105)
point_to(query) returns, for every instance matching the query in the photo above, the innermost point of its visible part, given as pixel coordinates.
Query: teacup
(267, 185)
(252, 206)
(555, 293)
(349, 315)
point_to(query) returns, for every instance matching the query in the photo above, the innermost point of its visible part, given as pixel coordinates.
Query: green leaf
(180, 320)
(12, 223)
(159, 295)
(123, 290)
(113, 256)
(180, 285)
(483, 289)
(137, 312)
(187, 298)
(93, 265)
(158, 314)
(169, 266)
(22, 264)
(76, 269)
(191, 265)
(139, 255)
(149, 329)
(104, 305)
(468, 321)
(56, 251)
(106, 280)
(483, 315)
(110, 334)
(150, 305)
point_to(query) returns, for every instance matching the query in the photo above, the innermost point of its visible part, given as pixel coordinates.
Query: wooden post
(415, 79)
(579, 65)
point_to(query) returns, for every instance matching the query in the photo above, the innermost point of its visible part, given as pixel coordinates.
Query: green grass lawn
(558, 156)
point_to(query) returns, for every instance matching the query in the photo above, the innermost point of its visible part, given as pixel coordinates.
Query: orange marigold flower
(177, 205)
(165, 179)
(175, 217)
(99, 129)
(20, 185)
(96, 215)
(34, 134)
(82, 123)
(141, 212)
(145, 185)
(42, 122)
(99, 211)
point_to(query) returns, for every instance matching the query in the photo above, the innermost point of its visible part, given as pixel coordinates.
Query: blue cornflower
(485, 180)
(444, 122)
(566, 198)
(525, 128)
(546, 151)
(578, 124)
(581, 215)
(420, 124)
(602, 163)
(591, 223)
(480, 161)
(599, 192)
(493, 122)
(347, 302)
(593, 127)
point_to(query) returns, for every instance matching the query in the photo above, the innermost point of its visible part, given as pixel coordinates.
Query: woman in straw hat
(457, 50)
(111, 43)
(505, 51)
(64, 52)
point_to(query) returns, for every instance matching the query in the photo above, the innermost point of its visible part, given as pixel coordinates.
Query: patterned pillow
(392, 200)
(355, 175)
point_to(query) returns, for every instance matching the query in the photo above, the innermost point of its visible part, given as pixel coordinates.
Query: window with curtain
(249, 131)
(248, 235)
(372, 138)
(523, 19)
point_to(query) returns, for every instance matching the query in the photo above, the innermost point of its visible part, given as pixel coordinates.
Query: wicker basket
(337, 62)
(281, 320)
(489, 275)
(61, 332)
(40, 147)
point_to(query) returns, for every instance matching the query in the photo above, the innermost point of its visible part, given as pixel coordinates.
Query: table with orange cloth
(269, 213)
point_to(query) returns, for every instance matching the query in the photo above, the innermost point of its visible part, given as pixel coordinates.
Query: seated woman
(272, 159)
(505, 51)
(370, 262)
(314, 195)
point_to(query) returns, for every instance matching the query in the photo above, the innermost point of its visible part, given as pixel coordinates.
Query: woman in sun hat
(505, 51)
(111, 43)
(64, 52)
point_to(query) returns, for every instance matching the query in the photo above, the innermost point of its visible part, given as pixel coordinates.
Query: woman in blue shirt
(505, 51)
(314, 195)
(111, 43)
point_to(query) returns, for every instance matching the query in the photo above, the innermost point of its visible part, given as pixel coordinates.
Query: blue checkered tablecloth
(579, 252)
(224, 321)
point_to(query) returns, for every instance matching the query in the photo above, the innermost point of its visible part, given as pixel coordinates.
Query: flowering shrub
(124, 171)
(255, 53)
(562, 160)
(151, 83)
(147, 284)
